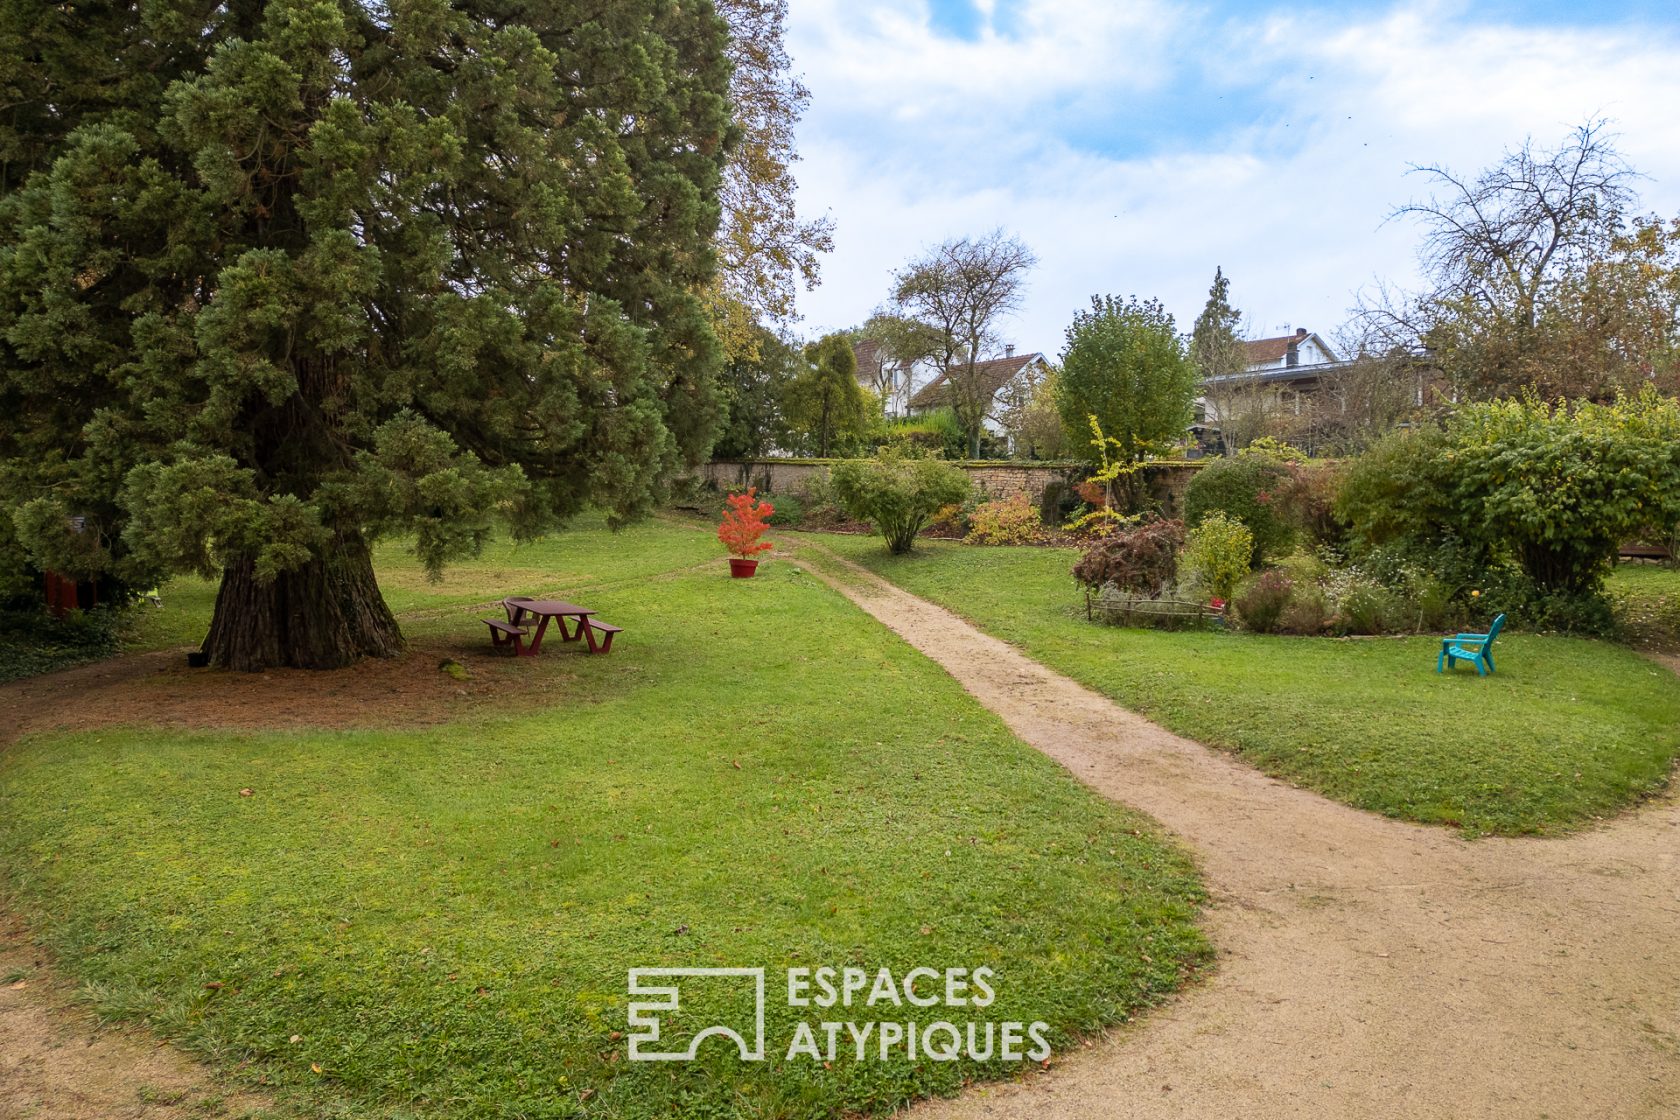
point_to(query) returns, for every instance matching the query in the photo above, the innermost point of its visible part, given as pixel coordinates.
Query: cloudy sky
(1137, 144)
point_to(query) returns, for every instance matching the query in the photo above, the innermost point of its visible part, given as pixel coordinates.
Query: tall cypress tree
(279, 276)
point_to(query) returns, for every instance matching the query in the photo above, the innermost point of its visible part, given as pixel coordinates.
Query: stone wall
(1166, 481)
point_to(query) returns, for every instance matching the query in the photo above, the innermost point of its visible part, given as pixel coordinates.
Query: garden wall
(999, 479)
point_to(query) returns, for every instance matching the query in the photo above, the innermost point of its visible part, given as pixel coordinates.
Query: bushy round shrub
(789, 510)
(1217, 554)
(1251, 489)
(1142, 560)
(897, 494)
(1011, 520)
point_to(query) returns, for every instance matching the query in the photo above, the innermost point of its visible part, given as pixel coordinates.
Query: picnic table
(516, 628)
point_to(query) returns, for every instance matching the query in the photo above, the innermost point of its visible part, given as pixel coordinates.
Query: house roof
(869, 355)
(990, 376)
(1284, 374)
(1262, 350)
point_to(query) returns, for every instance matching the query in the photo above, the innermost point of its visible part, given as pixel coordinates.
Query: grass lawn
(1568, 730)
(438, 922)
(1647, 598)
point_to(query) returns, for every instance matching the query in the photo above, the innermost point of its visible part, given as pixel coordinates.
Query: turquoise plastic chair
(1474, 648)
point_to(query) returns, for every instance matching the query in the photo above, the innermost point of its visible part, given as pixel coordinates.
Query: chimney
(1300, 332)
(1009, 350)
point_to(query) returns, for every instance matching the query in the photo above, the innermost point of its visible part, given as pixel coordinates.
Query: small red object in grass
(744, 521)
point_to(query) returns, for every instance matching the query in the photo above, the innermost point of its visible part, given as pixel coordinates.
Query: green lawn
(1568, 730)
(443, 918)
(1647, 599)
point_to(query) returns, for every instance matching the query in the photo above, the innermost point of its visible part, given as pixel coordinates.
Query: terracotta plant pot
(742, 569)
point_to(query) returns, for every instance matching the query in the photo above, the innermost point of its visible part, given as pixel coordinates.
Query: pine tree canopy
(280, 276)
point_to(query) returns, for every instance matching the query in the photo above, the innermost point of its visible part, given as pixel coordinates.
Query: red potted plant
(744, 521)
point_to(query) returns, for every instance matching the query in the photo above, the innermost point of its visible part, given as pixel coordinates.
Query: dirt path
(1368, 968)
(57, 1064)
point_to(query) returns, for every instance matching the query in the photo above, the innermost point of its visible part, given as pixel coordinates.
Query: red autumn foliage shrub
(744, 521)
(1143, 560)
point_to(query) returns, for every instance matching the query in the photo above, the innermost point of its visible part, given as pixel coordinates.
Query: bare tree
(957, 294)
(1508, 254)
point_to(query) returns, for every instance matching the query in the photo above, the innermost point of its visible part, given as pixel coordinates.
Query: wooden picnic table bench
(1638, 550)
(517, 628)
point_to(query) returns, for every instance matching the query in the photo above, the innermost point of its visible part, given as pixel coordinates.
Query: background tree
(1221, 360)
(753, 389)
(331, 270)
(950, 304)
(1126, 365)
(825, 403)
(1534, 276)
(765, 250)
(1029, 414)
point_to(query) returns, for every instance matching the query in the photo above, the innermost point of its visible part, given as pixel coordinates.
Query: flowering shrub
(1143, 560)
(1217, 552)
(1011, 520)
(744, 521)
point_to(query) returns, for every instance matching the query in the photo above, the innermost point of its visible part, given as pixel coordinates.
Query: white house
(1287, 367)
(906, 388)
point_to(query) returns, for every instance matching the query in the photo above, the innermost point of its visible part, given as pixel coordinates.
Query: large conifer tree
(278, 276)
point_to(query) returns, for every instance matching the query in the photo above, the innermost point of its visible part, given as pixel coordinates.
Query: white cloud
(915, 137)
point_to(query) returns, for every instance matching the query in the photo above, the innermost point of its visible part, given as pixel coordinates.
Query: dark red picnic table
(544, 610)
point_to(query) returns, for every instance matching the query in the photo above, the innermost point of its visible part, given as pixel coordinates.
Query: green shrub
(1304, 568)
(1217, 554)
(1552, 489)
(1363, 606)
(1262, 600)
(938, 433)
(1308, 612)
(897, 494)
(789, 510)
(1249, 489)
(1011, 520)
(1277, 450)
(35, 642)
(1142, 560)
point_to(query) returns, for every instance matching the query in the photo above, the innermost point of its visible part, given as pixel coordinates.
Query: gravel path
(1368, 968)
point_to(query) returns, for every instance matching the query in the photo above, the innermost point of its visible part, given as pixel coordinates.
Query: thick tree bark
(324, 615)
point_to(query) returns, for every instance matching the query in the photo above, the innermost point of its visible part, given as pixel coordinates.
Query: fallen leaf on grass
(246, 792)
(20, 985)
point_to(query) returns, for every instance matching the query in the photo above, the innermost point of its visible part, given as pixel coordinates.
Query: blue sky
(1136, 145)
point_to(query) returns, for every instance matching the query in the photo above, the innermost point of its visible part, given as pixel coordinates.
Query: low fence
(997, 478)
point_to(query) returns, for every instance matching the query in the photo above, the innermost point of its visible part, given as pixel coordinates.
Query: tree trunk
(324, 615)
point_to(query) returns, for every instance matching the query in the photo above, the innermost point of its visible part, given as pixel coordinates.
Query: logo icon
(668, 998)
